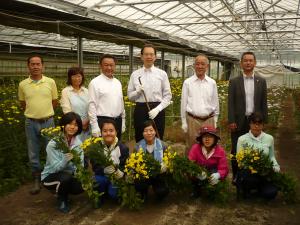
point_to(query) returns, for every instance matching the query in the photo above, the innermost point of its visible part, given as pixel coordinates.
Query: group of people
(99, 111)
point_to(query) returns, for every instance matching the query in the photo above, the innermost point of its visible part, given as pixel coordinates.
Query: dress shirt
(65, 100)
(199, 97)
(156, 86)
(249, 93)
(105, 99)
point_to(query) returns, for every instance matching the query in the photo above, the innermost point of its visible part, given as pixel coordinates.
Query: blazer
(237, 99)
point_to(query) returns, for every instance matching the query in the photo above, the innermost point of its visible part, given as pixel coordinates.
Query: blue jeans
(106, 186)
(34, 138)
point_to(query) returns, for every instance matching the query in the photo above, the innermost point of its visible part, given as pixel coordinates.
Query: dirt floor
(22, 208)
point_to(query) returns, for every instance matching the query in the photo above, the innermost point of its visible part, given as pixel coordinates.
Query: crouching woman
(210, 155)
(58, 173)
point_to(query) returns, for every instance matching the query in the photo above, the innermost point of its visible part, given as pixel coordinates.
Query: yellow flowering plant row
(256, 162)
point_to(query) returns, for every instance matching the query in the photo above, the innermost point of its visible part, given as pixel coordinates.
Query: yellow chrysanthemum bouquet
(256, 162)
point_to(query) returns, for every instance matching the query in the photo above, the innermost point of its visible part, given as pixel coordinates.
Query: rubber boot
(36, 184)
(63, 204)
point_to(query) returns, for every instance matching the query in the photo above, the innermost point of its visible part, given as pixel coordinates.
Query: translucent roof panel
(230, 26)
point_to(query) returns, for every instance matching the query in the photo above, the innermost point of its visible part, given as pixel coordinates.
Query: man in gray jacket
(247, 94)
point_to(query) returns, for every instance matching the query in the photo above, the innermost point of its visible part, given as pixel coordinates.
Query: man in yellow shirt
(38, 98)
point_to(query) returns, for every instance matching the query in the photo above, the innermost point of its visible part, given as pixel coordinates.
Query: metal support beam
(130, 59)
(209, 67)
(183, 67)
(218, 69)
(79, 52)
(162, 63)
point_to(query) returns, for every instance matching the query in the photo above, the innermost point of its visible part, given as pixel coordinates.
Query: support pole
(130, 59)
(79, 52)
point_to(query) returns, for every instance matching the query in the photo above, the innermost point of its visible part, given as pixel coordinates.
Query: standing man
(155, 84)
(199, 100)
(106, 98)
(38, 98)
(247, 94)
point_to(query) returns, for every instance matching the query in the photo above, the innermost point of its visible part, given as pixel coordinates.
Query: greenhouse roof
(220, 28)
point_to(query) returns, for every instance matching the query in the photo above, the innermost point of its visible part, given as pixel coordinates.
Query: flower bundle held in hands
(139, 167)
(256, 162)
(82, 174)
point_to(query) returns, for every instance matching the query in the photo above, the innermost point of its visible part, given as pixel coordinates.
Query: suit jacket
(237, 99)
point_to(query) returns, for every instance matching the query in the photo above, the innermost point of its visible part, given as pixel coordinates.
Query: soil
(22, 208)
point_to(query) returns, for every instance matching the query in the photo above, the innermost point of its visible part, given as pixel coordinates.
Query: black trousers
(246, 182)
(118, 121)
(63, 183)
(141, 115)
(234, 138)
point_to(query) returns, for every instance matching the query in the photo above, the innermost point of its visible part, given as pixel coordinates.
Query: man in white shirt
(155, 84)
(106, 98)
(199, 101)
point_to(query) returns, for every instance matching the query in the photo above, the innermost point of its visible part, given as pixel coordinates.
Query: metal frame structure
(222, 27)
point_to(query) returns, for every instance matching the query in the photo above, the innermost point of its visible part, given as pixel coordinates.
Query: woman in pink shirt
(209, 154)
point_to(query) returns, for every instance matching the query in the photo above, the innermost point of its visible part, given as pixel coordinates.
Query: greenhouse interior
(77, 33)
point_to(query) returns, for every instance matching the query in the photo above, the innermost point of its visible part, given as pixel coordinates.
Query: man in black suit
(247, 94)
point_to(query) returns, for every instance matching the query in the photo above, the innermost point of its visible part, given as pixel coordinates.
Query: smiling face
(208, 140)
(71, 129)
(149, 134)
(35, 67)
(256, 128)
(76, 80)
(148, 57)
(108, 67)
(108, 133)
(201, 66)
(248, 63)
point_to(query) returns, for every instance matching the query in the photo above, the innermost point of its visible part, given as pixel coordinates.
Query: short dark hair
(149, 123)
(111, 121)
(73, 71)
(148, 46)
(256, 117)
(248, 53)
(107, 56)
(68, 118)
(34, 55)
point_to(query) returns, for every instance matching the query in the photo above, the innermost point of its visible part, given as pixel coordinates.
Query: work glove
(68, 156)
(201, 176)
(119, 174)
(163, 168)
(153, 113)
(123, 125)
(276, 168)
(109, 170)
(184, 126)
(139, 89)
(214, 178)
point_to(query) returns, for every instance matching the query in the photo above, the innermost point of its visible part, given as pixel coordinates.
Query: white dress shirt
(105, 99)
(199, 97)
(156, 86)
(249, 93)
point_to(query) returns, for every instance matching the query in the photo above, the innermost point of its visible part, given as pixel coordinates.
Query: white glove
(119, 174)
(153, 113)
(68, 156)
(123, 125)
(109, 170)
(214, 178)
(276, 168)
(202, 176)
(163, 168)
(184, 126)
(139, 89)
